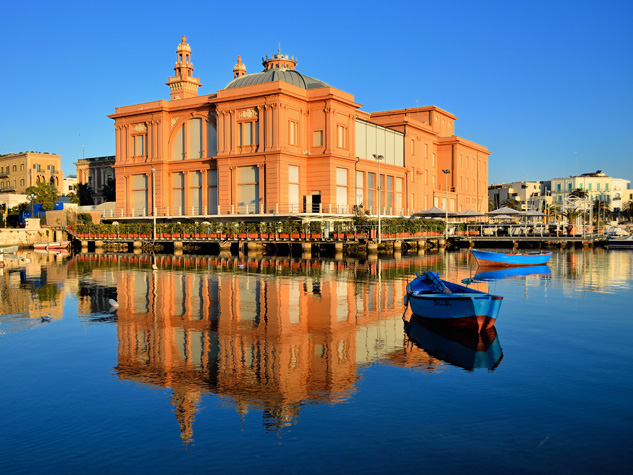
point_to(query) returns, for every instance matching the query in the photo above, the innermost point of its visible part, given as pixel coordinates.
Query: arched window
(178, 146)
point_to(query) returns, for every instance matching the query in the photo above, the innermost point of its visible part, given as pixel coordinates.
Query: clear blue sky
(545, 85)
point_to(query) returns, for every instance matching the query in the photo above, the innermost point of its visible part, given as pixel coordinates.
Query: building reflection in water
(265, 334)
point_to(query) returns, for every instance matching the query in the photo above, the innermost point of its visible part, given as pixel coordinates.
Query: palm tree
(579, 193)
(512, 203)
(627, 209)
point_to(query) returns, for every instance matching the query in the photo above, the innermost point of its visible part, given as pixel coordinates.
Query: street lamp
(446, 172)
(154, 200)
(378, 158)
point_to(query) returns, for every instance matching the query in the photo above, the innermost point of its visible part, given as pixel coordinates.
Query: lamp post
(154, 200)
(446, 172)
(378, 159)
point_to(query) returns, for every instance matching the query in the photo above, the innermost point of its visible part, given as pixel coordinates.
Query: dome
(289, 76)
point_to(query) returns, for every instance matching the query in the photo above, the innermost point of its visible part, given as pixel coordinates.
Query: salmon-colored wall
(275, 109)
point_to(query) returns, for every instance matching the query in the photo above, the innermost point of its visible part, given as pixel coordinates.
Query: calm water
(223, 364)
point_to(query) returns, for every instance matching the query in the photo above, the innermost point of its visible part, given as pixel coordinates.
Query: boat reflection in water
(500, 273)
(466, 349)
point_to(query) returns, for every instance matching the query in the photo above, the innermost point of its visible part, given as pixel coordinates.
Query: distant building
(533, 195)
(96, 173)
(18, 171)
(599, 187)
(70, 184)
(281, 143)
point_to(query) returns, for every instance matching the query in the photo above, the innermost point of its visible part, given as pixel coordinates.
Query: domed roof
(288, 75)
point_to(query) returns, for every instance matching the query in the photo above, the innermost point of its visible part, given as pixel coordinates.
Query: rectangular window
(139, 145)
(195, 192)
(139, 194)
(317, 138)
(293, 188)
(212, 177)
(248, 189)
(412, 147)
(371, 191)
(606, 187)
(342, 136)
(359, 188)
(195, 138)
(597, 187)
(389, 201)
(398, 202)
(341, 190)
(178, 192)
(246, 133)
(292, 134)
(426, 150)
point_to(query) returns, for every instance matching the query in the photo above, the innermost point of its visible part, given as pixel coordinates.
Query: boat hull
(487, 258)
(9, 249)
(51, 246)
(459, 306)
(620, 243)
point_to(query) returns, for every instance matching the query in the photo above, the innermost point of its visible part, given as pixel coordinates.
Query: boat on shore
(51, 246)
(454, 304)
(9, 249)
(625, 242)
(469, 350)
(489, 258)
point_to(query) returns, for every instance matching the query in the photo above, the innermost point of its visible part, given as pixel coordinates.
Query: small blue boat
(488, 258)
(456, 305)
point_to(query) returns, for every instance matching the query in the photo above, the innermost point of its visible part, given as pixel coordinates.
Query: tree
(45, 194)
(73, 198)
(579, 193)
(84, 194)
(627, 209)
(511, 203)
(109, 190)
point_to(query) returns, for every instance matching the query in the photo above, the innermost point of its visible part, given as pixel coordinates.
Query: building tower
(240, 69)
(183, 85)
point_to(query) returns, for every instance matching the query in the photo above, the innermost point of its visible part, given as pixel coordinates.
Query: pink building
(280, 142)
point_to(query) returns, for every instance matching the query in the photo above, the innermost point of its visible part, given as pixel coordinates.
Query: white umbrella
(504, 210)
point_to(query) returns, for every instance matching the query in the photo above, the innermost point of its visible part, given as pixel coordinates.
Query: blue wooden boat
(469, 350)
(454, 304)
(488, 258)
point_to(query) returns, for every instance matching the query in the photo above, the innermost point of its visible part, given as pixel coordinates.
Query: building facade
(18, 171)
(534, 195)
(598, 186)
(278, 142)
(97, 173)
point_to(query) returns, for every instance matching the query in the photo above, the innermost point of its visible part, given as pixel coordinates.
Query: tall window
(317, 138)
(371, 191)
(195, 138)
(293, 188)
(177, 192)
(139, 145)
(178, 146)
(293, 133)
(398, 202)
(248, 189)
(342, 136)
(389, 201)
(195, 192)
(139, 194)
(341, 190)
(212, 178)
(212, 140)
(359, 188)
